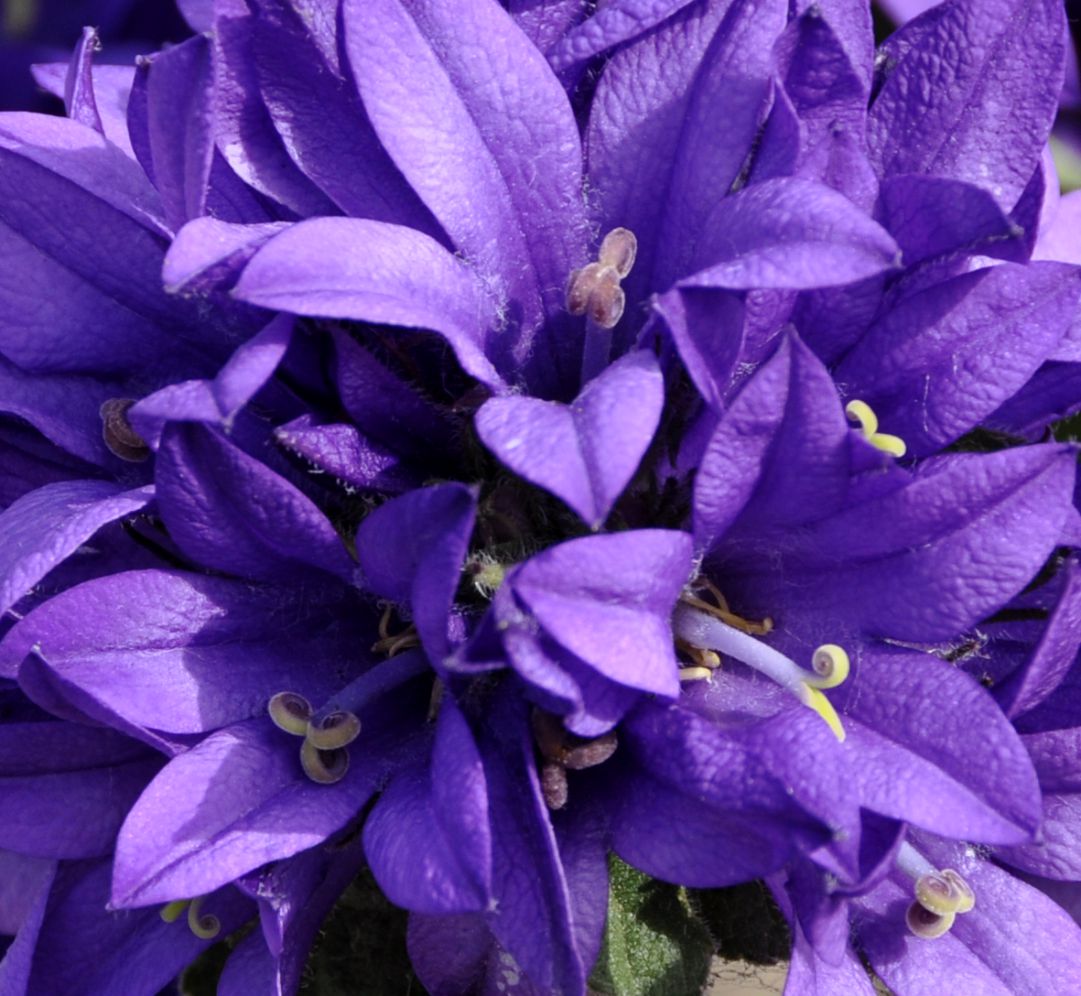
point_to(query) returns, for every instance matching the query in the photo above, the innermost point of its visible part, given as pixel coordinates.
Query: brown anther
(121, 439)
(595, 289)
(591, 753)
(554, 785)
(581, 287)
(607, 301)
(618, 250)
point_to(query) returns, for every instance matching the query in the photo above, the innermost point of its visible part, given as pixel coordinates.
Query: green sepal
(654, 943)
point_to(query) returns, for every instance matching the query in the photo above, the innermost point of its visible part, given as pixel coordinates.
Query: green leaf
(361, 948)
(654, 944)
(745, 922)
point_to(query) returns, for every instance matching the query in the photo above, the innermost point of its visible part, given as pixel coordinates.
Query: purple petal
(172, 126)
(614, 24)
(489, 142)
(653, 161)
(943, 360)
(412, 549)
(707, 328)
(185, 653)
(921, 763)
(64, 409)
(325, 129)
(108, 266)
(586, 452)
(375, 272)
(983, 118)
(428, 840)
(110, 87)
(779, 455)
(231, 804)
(930, 560)
(346, 454)
(790, 233)
(84, 947)
(934, 215)
(246, 134)
(216, 401)
(608, 599)
(1046, 665)
(79, 86)
(1053, 393)
(44, 527)
(235, 514)
(208, 254)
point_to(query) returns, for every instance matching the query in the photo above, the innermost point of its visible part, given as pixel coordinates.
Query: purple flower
(469, 441)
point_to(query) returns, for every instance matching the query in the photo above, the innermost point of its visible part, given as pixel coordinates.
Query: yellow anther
(814, 699)
(862, 413)
(170, 913)
(831, 664)
(695, 674)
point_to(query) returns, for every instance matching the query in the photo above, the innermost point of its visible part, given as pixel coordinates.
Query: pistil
(940, 894)
(328, 731)
(861, 413)
(829, 662)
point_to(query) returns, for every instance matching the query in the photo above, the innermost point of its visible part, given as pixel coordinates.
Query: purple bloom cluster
(468, 440)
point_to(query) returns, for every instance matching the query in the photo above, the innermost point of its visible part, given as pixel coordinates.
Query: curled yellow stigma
(170, 913)
(814, 699)
(861, 413)
(831, 667)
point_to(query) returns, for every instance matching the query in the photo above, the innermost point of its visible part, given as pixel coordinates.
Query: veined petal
(376, 272)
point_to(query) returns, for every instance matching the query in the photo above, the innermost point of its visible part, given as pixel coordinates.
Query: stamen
(123, 441)
(695, 674)
(943, 894)
(861, 413)
(923, 923)
(830, 661)
(202, 925)
(592, 753)
(722, 610)
(389, 643)
(562, 752)
(595, 291)
(554, 785)
(618, 250)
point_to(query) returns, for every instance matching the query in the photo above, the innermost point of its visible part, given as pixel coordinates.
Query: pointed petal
(44, 527)
(585, 452)
(608, 600)
(234, 513)
(375, 272)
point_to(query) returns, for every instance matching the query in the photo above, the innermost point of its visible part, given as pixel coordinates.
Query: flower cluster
(470, 440)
